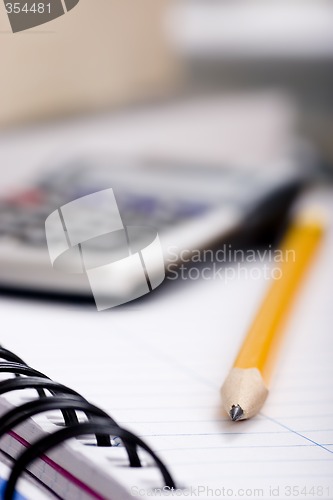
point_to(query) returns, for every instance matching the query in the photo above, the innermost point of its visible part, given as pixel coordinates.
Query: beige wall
(102, 52)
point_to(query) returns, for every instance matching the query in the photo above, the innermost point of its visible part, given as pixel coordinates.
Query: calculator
(191, 206)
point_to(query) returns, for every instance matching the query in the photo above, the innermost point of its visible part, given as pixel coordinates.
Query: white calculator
(191, 207)
(199, 172)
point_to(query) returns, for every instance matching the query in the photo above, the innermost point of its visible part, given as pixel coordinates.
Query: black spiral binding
(68, 402)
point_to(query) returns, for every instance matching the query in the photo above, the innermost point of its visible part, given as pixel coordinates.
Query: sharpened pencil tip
(236, 413)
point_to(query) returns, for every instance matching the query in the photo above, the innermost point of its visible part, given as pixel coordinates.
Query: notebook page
(157, 365)
(30, 490)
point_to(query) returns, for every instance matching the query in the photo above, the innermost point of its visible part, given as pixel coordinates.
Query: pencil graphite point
(243, 393)
(236, 413)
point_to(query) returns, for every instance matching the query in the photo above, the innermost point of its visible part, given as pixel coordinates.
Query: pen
(246, 387)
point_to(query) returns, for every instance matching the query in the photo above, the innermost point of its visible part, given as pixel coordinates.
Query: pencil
(246, 387)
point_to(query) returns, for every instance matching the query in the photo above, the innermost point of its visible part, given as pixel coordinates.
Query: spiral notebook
(156, 367)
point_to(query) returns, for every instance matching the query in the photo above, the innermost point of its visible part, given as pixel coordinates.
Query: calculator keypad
(22, 215)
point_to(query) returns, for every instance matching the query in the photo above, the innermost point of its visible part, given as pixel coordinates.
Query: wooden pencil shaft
(260, 345)
(246, 387)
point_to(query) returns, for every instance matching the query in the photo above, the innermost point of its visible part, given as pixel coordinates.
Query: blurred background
(110, 54)
(223, 82)
(100, 55)
(104, 56)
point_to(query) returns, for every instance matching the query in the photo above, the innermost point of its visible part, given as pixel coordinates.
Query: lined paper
(157, 365)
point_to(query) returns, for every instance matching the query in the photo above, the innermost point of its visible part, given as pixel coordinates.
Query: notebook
(31, 491)
(157, 365)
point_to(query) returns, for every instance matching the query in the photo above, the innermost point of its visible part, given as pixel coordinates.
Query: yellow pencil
(246, 387)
